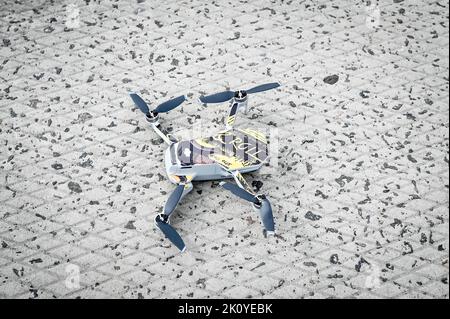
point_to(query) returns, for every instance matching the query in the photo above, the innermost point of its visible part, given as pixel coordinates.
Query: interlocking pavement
(359, 178)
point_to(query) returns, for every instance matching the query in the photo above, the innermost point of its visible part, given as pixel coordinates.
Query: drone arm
(240, 181)
(165, 138)
(260, 202)
(182, 189)
(232, 115)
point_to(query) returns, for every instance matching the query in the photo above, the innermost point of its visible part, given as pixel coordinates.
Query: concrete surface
(360, 190)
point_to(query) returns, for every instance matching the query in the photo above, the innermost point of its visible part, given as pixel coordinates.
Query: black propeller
(162, 108)
(260, 201)
(228, 95)
(161, 220)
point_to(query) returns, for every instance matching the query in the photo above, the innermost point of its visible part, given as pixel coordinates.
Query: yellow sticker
(204, 143)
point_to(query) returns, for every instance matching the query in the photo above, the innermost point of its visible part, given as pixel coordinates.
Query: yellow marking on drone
(229, 162)
(238, 143)
(204, 143)
(255, 134)
(230, 119)
(254, 156)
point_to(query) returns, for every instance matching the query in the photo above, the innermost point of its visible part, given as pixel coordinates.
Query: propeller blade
(263, 87)
(171, 234)
(140, 103)
(236, 190)
(218, 97)
(173, 200)
(265, 212)
(170, 105)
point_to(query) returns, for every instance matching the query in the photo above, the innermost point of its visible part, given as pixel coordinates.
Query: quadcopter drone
(228, 154)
